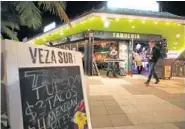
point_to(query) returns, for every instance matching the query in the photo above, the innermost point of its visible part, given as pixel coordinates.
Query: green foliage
(25, 13)
(30, 15)
(50, 6)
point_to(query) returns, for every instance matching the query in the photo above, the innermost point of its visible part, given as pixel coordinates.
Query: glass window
(74, 46)
(101, 49)
(68, 46)
(81, 47)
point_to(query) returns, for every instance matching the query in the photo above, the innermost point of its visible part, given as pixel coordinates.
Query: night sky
(76, 8)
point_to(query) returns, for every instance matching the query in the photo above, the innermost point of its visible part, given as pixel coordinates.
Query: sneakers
(157, 82)
(147, 83)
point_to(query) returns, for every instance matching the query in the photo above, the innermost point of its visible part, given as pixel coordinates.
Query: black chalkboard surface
(52, 98)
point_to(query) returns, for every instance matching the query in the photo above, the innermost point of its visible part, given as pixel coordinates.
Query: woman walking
(138, 61)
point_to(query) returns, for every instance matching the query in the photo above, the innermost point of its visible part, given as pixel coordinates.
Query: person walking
(138, 61)
(113, 53)
(153, 56)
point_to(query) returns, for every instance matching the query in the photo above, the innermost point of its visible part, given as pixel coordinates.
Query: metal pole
(70, 46)
(90, 55)
(91, 52)
(130, 56)
(86, 57)
(76, 46)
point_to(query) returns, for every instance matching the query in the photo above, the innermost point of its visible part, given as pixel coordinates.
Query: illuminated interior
(173, 31)
(101, 49)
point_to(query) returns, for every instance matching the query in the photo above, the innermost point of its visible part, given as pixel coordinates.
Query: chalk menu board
(52, 98)
(46, 88)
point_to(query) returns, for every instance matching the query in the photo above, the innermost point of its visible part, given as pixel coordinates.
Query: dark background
(76, 8)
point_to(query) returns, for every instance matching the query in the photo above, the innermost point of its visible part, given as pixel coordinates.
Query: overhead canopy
(168, 25)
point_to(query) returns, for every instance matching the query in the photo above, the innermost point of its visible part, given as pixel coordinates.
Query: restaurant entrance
(96, 45)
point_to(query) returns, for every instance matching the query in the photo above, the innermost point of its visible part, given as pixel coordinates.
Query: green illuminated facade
(170, 26)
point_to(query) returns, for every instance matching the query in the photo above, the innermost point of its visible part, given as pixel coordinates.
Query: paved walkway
(126, 103)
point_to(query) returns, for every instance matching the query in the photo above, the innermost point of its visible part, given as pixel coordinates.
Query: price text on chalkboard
(52, 98)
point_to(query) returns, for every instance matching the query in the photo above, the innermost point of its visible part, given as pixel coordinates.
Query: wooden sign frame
(18, 55)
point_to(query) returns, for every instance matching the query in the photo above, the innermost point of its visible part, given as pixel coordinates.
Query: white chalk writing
(55, 98)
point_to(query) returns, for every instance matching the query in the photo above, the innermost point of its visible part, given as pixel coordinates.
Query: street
(126, 103)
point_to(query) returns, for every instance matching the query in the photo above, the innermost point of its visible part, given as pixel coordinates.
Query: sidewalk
(126, 103)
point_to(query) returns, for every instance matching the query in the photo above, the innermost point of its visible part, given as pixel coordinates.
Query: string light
(61, 33)
(103, 18)
(74, 25)
(91, 18)
(167, 23)
(133, 27)
(156, 22)
(106, 24)
(131, 20)
(117, 19)
(143, 21)
(177, 35)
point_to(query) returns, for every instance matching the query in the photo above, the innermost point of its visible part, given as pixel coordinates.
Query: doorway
(101, 53)
(141, 48)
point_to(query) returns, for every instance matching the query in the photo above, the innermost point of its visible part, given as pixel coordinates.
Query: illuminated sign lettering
(126, 36)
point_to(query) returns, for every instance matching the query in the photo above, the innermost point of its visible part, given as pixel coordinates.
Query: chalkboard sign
(45, 88)
(52, 98)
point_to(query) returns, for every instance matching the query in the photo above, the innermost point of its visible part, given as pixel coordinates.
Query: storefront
(94, 33)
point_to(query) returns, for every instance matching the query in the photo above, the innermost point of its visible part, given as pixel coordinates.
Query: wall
(123, 54)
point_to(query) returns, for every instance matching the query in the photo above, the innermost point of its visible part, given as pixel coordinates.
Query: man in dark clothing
(153, 57)
(113, 53)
